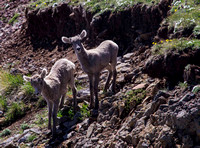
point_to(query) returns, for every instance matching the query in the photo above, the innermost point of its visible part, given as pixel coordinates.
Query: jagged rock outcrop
(49, 24)
(171, 64)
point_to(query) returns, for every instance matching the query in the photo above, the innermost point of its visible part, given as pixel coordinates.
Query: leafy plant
(183, 85)
(5, 132)
(84, 111)
(70, 114)
(59, 114)
(14, 18)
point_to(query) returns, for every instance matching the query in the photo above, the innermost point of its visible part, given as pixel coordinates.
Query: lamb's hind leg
(74, 92)
(49, 113)
(96, 83)
(55, 110)
(108, 79)
(91, 79)
(62, 101)
(114, 80)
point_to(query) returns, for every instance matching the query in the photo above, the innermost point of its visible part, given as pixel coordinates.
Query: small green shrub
(14, 18)
(84, 111)
(183, 85)
(70, 114)
(9, 82)
(59, 114)
(5, 132)
(24, 126)
(134, 97)
(3, 103)
(15, 111)
(31, 138)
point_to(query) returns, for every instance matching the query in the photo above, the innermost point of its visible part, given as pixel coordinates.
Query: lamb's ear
(44, 73)
(66, 40)
(27, 79)
(83, 34)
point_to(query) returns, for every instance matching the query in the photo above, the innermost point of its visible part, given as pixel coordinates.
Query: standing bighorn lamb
(94, 61)
(54, 86)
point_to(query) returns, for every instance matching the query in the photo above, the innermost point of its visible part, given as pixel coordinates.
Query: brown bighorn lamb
(54, 86)
(94, 61)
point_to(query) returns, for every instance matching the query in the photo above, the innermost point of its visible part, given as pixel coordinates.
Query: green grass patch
(99, 6)
(43, 3)
(5, 132)
(175, 44)
(24, 126)
(16, 110)
(9, 82)
(14, 18)
(41, 119)
(95, 6)
(3, 103)
(184, 15)
(11, 85)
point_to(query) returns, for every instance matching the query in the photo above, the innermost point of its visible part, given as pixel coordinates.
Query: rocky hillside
(158, 74)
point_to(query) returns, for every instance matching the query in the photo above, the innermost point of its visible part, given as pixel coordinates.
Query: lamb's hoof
(94, 113)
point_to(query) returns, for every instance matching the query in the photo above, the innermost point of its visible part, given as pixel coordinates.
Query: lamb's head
(37, 81)
(76, 41)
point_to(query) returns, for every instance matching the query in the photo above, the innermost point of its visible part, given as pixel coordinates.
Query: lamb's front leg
(91, 79)
(96, 83)
(49, 113)
(55, 110)
(74, 91)
(108, 81)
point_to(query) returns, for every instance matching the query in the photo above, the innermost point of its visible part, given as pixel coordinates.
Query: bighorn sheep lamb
(54, 86)
(94, 61)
